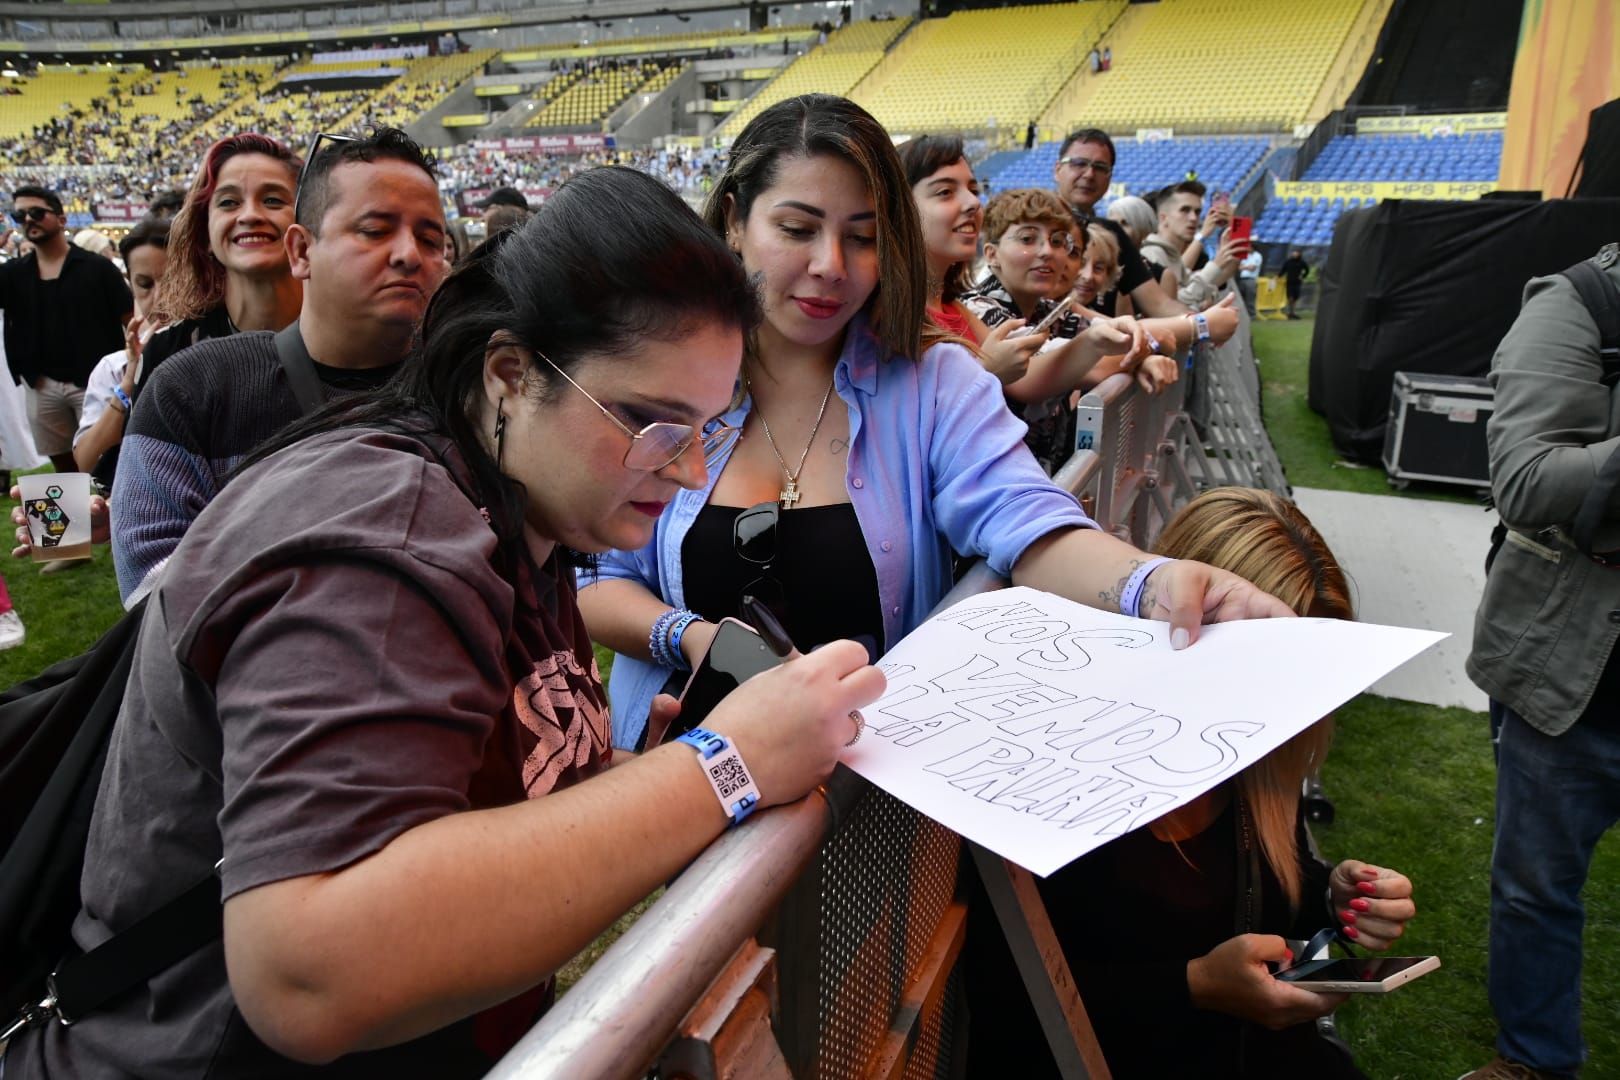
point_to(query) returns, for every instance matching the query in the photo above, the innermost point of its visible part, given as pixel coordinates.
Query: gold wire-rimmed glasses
(659, 445)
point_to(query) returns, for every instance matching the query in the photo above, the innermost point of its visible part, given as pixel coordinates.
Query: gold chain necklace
(790, 492)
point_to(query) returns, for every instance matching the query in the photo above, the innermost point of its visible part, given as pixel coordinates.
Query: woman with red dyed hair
(227, 266)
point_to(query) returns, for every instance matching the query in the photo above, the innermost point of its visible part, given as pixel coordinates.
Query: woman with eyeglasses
(364, 689)
(868, 452)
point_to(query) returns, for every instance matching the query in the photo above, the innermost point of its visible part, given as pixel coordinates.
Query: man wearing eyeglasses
(1084, 171)
(65, 309)
(368, 244)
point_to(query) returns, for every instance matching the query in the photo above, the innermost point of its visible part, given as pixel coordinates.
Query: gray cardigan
(1550, 616)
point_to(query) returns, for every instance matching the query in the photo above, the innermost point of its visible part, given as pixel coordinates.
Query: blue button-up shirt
(936, 462)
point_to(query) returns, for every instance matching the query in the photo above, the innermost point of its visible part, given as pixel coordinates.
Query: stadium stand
(1275, 59)
(1220, 162)
(1471, 156)
(695, 42)
(428, 80)
(593, 96)
(1305, 221)
(834, 68)
(1002, 67)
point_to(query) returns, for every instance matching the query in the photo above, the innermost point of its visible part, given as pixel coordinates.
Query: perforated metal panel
(887, 877)
(931, 1058)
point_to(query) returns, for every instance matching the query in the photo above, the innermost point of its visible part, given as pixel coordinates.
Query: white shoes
(11, 630)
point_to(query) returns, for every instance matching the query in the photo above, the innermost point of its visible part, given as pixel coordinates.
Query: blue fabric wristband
(677, 630)
(1131, 596)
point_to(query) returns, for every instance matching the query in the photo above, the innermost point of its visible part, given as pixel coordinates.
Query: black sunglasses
(753, 537)
(754, 533)
(31, 216)
(309, 159)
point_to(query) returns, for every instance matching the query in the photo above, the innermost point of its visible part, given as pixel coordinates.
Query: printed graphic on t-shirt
(560, 703)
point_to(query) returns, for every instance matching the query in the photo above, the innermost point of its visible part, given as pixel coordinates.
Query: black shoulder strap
(295, 361)
(152, 945)
(1602, 298)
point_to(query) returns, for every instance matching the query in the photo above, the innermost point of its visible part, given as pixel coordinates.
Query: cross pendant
(790, 494)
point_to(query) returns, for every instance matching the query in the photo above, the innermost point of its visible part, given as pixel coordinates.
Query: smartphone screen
(1051, 317)
(736, 655)
(1366, 971)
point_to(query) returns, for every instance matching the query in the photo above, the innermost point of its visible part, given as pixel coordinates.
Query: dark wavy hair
(612, 259)
(813, 125)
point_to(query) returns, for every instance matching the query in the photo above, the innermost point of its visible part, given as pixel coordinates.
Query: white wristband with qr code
(726, 773)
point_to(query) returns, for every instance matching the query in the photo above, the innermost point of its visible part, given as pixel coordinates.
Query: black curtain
(1431, 287)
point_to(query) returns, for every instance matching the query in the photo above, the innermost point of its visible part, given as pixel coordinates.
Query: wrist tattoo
(1109, 599)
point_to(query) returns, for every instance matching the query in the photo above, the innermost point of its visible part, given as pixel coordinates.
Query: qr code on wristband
(729, 777)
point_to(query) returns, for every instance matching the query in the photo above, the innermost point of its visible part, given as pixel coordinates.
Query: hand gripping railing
(853, 892)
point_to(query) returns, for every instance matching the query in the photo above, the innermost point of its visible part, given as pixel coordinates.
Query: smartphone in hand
(1051, 317)
(1241, 231)
(736, 654)
(1375, 975)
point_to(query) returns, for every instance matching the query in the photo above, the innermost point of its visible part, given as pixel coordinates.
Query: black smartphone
(736, 655)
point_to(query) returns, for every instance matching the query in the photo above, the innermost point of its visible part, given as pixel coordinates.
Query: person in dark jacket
(1544, 650)
(1169, 929)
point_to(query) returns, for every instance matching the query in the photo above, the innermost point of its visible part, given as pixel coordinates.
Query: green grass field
(1412, 784)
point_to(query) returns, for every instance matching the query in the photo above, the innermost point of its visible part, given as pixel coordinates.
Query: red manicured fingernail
(1367, 887)
(1369, 871)
(1289, 953)
(1347, 916)
(1361, 905)
(1351, 932)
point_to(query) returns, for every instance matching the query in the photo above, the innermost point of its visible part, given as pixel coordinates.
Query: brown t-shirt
(331, 659)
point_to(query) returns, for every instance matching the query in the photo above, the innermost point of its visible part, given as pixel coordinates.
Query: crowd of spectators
(689, 171)
(426, 526)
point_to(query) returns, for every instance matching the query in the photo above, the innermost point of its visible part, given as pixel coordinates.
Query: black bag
(54, 731)
(54, 734)
(1602, 298)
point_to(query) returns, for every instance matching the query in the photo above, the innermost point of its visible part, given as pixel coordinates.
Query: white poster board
(1041, 728)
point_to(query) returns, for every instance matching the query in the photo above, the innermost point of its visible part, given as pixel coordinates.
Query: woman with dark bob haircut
(364, 689)
(870, 454)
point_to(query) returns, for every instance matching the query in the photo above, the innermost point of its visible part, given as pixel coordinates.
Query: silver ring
(860, 726)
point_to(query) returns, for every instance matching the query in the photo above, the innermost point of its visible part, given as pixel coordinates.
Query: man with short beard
(368, 244)
(65, 309)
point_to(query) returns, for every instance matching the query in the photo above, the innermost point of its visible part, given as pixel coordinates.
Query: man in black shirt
(1294, 271)
(368, 244)
(1084, 169)
(65, 309)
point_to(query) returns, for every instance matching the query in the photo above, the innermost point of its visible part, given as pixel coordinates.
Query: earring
(500, 434)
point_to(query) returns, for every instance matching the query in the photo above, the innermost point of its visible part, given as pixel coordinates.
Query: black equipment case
(1436, 430)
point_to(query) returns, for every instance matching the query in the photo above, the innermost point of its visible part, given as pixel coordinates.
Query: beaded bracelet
(658, 641)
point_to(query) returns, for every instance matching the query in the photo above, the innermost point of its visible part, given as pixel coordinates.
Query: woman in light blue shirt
(871, 448)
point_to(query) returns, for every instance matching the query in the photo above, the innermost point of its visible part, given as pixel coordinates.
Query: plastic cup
(57, 508)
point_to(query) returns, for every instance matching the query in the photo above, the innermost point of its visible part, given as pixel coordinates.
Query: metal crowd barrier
(820, 941)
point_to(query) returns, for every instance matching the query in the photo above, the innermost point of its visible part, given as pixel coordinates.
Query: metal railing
(852, 895)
